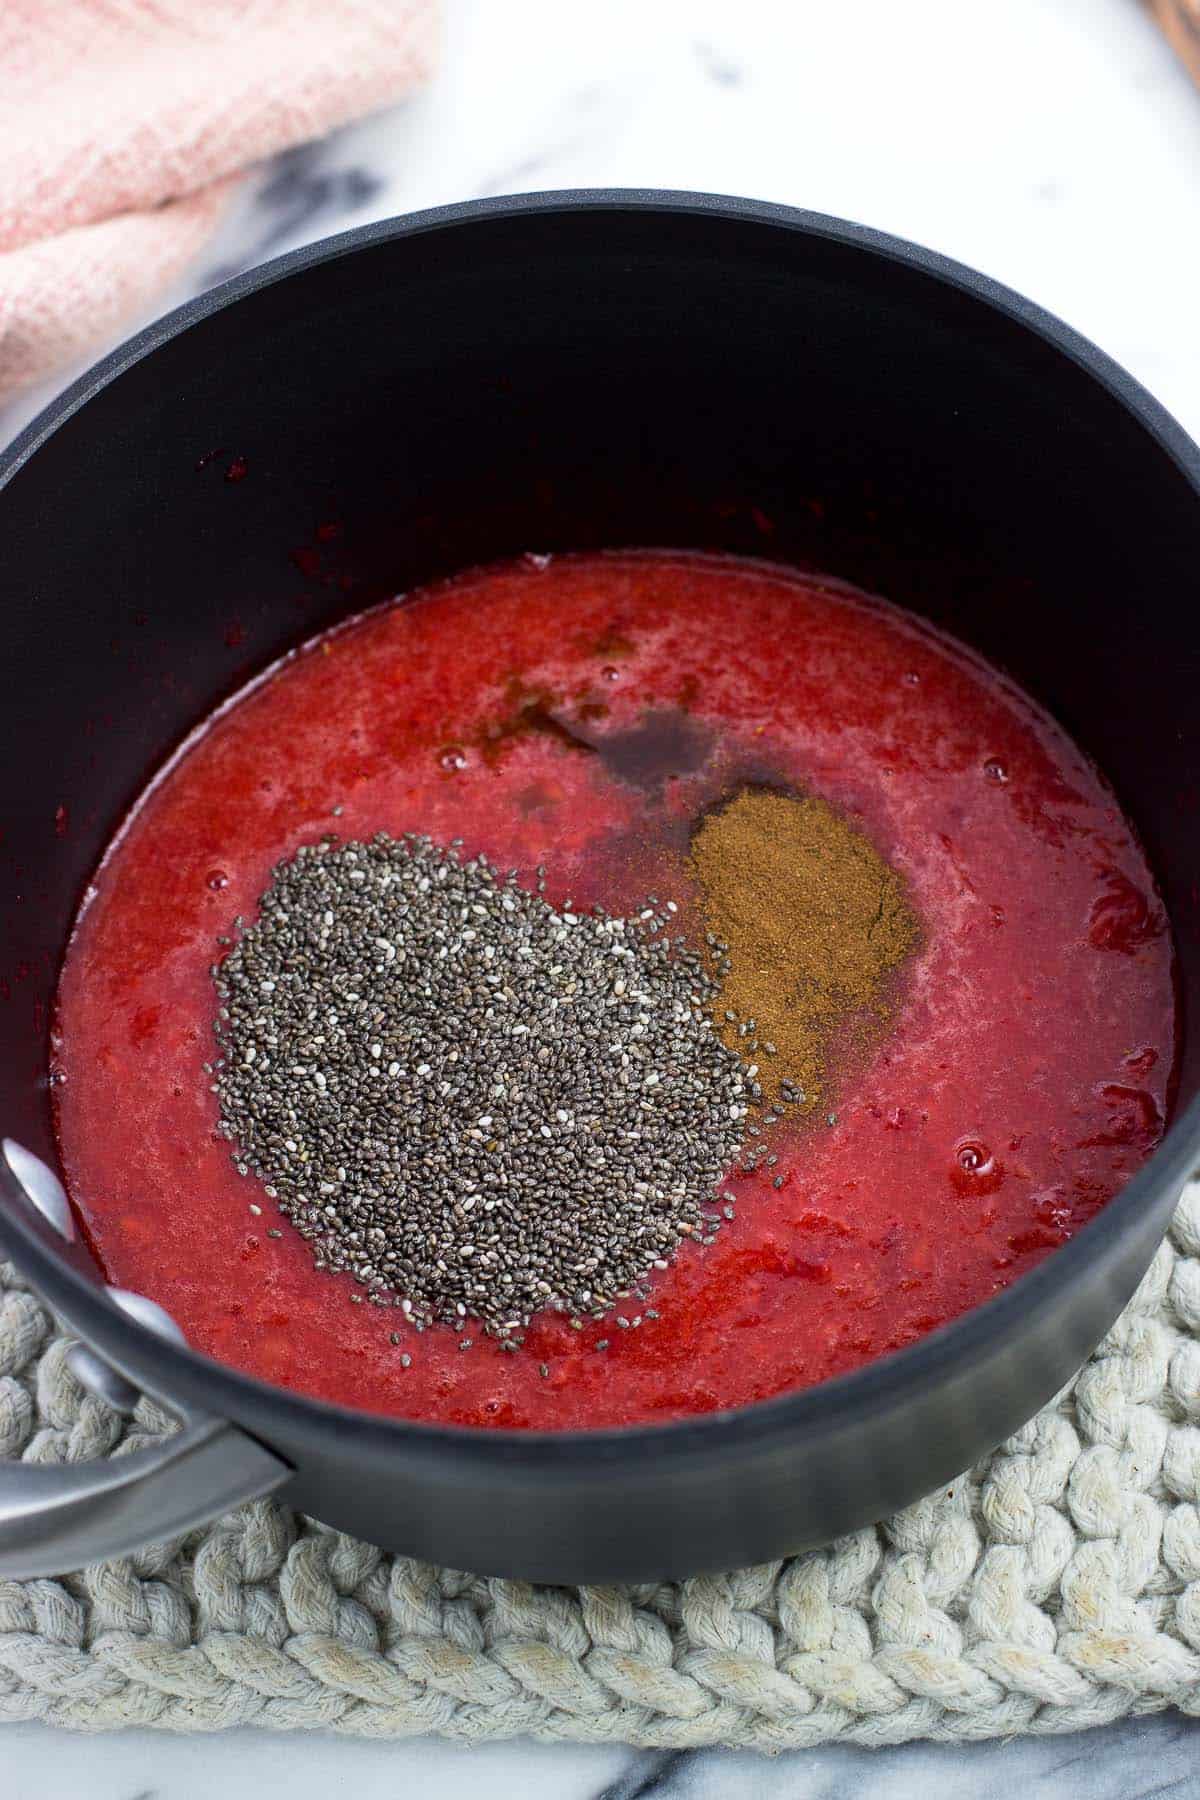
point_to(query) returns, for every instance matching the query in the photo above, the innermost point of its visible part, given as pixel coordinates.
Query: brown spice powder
(814, 920)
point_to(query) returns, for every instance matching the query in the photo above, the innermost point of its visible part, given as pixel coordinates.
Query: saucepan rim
(855, 1397)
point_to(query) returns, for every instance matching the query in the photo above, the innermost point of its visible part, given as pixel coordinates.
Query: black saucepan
(564, 371)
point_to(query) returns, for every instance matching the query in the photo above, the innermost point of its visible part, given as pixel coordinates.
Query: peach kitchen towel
(1180, 19)
(124, 124)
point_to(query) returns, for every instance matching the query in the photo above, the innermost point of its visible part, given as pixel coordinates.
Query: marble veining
(1055, 144)
(1133, 1761)
(298, 197)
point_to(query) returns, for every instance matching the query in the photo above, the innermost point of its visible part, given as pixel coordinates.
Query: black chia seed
(478, 1105)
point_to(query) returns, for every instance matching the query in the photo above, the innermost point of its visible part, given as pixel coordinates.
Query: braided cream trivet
(1055, 1586)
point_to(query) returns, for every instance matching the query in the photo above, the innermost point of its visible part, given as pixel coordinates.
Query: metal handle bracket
(57, 1517)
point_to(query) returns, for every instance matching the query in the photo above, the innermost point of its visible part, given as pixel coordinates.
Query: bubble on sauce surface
(1053, 1208)
(995, 770)
(974, 1167)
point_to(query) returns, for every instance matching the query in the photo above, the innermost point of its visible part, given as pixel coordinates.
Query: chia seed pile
(478, 1105)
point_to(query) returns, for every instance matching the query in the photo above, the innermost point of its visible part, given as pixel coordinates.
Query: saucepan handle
(58, 1517)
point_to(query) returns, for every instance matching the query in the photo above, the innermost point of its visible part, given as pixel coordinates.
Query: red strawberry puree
(578, 712)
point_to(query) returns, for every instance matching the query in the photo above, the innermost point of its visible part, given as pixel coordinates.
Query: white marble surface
(1053, 143)
(1159, 1757)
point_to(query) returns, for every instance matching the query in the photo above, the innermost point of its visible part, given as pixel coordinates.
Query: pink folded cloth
(123, 125)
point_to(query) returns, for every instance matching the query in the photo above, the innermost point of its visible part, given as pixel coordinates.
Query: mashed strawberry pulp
(580, 713)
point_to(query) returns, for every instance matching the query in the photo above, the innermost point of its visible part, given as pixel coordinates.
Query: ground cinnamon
(809, 921)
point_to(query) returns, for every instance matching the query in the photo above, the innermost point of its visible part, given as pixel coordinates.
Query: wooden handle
(1180, 19)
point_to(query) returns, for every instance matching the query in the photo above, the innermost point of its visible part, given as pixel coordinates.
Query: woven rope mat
(1055, 1586)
